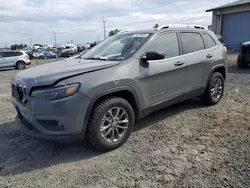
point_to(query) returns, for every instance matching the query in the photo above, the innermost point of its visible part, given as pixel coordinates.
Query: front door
(163, 80)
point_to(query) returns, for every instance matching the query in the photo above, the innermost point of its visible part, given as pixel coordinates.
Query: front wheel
(111, 123)
(214, 90)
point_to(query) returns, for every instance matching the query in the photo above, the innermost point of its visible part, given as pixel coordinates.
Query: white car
(17, 59)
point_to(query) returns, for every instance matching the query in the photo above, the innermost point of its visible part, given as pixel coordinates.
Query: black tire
(240, 62)
(207, 97)
(93, 129)
(20, 65)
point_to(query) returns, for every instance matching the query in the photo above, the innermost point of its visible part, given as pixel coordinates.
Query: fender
(108, 92)
(212, 71)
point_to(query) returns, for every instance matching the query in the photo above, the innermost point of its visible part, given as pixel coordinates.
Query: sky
(35, 21)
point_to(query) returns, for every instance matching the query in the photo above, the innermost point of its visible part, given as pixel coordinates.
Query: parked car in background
(47, 55)
(80, 48)
(77, 55)
(244, 56)
(101, 94)
(17, 59)
(66, 53)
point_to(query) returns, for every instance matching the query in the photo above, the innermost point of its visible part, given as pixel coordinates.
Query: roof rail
(127, 30)
(180, 26)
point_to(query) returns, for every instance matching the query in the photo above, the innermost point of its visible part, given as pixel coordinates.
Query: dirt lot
(185, 145)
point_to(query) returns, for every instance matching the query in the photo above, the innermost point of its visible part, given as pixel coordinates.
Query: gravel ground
(185, 145)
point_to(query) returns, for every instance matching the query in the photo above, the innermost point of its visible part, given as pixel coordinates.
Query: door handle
(179, 63)
(209, 55)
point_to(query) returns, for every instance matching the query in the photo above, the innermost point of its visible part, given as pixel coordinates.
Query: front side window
(209, 41)
(192, 42)
(168, 43)
(118, 47)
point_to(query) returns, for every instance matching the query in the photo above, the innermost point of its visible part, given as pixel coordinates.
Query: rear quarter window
(191, 42)
(209, 41)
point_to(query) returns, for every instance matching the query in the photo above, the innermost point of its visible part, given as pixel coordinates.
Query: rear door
(7, 58)
(164, 80)
(198, 62)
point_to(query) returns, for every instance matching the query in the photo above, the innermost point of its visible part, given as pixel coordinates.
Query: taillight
(225, 48)
(27, 56)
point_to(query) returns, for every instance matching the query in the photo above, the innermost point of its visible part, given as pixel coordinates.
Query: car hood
(49, 73)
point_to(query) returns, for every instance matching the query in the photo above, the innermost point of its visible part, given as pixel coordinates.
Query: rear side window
(168, 43)
(209, 41)
(192, 42)
(11, 54)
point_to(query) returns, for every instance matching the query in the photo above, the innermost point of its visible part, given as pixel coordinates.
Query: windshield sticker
(140, 35)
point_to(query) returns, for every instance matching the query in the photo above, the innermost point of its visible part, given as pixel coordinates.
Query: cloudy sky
(81, 20)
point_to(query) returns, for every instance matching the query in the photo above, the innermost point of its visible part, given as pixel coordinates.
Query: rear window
(192, 42)
(209, 41)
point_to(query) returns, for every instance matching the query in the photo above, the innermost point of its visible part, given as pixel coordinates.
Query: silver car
(17, 59)
(126, 77)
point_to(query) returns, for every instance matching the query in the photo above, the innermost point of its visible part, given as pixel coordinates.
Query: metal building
(232, 21)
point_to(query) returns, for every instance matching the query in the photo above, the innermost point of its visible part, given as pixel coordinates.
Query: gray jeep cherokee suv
(101, 93)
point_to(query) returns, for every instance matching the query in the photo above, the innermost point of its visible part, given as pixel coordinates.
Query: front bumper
(61, 119)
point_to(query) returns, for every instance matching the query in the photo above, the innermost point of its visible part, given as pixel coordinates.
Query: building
(232, 21)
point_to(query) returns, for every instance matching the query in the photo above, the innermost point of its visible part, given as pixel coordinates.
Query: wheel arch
(219, 68)
(124, 92)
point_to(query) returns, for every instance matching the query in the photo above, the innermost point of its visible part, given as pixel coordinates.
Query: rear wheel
(111, 123)
(240, 62)
(20, 65)
(214, 90)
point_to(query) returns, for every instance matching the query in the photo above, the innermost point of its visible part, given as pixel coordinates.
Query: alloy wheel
(114, 124)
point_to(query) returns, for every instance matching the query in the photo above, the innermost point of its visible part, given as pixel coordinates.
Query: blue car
(47, 55)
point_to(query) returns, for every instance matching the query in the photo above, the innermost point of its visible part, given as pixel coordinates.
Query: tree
(113, 32)
(40, 45)
(17, 46)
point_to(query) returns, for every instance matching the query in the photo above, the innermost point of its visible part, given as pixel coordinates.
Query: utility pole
(104, 28)
(30, 41)
(55, 38)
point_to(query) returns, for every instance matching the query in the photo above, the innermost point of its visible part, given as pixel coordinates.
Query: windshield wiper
(96, 58)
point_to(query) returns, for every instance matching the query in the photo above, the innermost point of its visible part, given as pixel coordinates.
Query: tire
(208, 98)
(240, 62)
(96, 137)
(20, 65)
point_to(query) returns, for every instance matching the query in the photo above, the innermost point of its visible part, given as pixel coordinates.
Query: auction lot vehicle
(100, 94)
(17, 59)
(47, 55)
(244, 56)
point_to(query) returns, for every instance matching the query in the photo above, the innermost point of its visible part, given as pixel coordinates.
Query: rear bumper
(61, 119)
(28, 62)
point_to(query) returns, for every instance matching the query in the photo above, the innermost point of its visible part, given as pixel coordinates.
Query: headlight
(56, 92)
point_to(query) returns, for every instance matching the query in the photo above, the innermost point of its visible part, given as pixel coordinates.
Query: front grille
(19, 91)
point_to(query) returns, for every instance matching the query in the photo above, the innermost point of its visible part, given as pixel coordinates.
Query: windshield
(118, 47)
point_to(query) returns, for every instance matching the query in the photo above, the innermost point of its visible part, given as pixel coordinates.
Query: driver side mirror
(153, 55)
